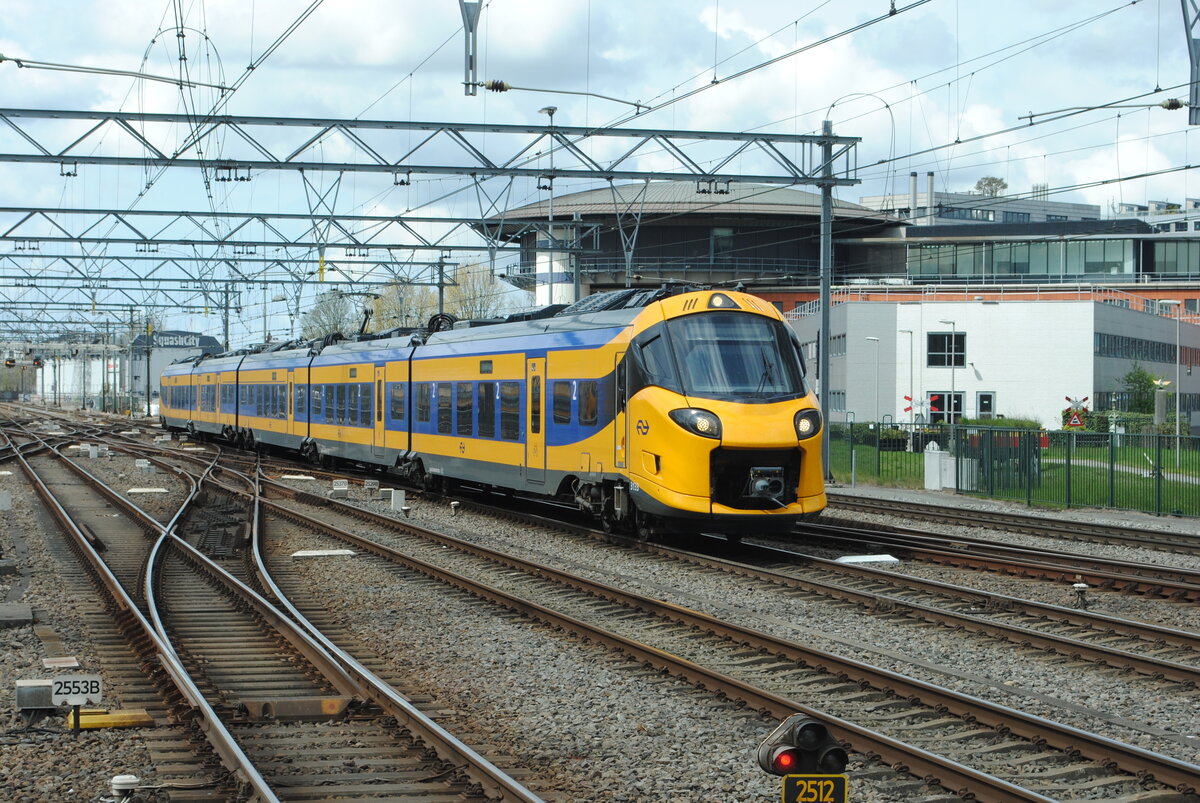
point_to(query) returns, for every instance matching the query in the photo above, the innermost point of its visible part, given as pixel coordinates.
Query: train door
(619, 390)
(379, 428)
(535, 425)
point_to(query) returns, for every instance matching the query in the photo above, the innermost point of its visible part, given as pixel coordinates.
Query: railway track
(1152, 580)
(878, 712)
(1019, 523)
(1114, 786)
(274, 704)
(1122, 644)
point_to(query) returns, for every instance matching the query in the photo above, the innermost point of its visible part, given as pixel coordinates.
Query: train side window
(589, 403)
(535, 405)
(301, 401)
(258, 400)
(423, 394)
(562, 402)
(486, 404)
(510, 411)
(444, 424)
(366, 403)
(315, 393)
(281, 401)
(463, 392)
(398, 401)
(339, 403)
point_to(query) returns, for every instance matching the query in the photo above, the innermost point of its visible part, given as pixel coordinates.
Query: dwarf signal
(804, 745)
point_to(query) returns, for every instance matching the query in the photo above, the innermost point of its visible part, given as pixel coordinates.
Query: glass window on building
(1002, 258)
(966, 263)
(1020, 257)
(985, 404)
(1055, 218)
(1037, 258)
(1016, 217)
(721, 243)
(1166, 258)
(946, 349)
(942, 403)
(1093, 257)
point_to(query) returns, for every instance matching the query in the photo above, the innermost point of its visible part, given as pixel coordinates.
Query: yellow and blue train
(655, 409)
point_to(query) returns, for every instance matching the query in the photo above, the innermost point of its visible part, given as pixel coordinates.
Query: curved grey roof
(676, 197)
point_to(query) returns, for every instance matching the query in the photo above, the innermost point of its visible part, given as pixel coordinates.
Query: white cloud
(351, 52)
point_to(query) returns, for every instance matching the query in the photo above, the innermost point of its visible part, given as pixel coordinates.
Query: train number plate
(76, 690)
(815, 789)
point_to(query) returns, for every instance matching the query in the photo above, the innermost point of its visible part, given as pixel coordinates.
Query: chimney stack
(930, 209)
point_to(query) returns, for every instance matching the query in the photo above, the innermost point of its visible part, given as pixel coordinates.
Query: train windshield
(735, 356)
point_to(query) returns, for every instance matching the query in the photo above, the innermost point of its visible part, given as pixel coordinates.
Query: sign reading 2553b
(76, 690)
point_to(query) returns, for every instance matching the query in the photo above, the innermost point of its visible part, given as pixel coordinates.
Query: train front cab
(719, 432)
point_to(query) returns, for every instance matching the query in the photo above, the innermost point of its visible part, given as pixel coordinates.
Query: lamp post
(953, 367)
(1178, 318)
(912, 415)
(875, 340)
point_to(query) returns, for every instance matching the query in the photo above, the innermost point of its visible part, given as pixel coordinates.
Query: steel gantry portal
(59, 260)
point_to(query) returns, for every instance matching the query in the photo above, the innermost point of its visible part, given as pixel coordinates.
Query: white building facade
(992, 358)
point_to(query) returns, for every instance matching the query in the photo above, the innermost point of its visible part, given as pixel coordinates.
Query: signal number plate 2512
(815, 789)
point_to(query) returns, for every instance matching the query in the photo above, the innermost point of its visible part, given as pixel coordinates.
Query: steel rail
(953, 551)
(219, 738)
(1023, 523)
(1172, 772)
(990, 600)
(952, 775)
(494, 781)
(1025, 636)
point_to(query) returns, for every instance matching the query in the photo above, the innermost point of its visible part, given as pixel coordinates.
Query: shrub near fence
(1147, 472)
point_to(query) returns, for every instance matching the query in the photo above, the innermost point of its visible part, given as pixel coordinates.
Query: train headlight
(808, 423)
(698, 422)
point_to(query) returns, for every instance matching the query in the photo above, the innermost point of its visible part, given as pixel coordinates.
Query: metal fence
(1157, 474)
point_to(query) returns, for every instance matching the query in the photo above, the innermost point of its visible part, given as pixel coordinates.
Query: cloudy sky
(911, 85)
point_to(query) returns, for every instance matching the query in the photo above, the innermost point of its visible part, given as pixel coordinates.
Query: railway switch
(802, 745)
